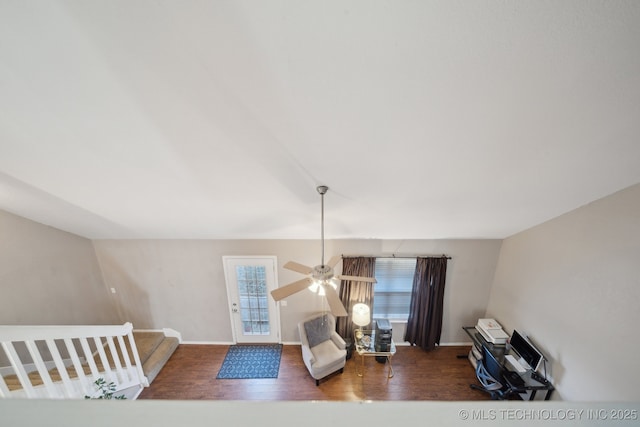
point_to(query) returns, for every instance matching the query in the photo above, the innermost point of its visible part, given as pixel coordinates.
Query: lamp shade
(361, 314)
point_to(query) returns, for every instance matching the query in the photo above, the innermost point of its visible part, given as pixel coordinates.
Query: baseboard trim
(452, 344)
(208, 342)
(230, 343)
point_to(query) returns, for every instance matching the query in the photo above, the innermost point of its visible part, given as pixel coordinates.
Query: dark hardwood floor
(191, 373)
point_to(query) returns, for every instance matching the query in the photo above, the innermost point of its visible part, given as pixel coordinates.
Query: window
(392, 293)
(252, 290)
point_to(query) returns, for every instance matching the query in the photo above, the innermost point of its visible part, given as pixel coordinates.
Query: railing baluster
(77, 365)
(105, 362)
(116, 361)
(136, 357)
(16, 364)
(127, 359)
(4, 390)
(88, 356)
(62, 369)
(51, 390)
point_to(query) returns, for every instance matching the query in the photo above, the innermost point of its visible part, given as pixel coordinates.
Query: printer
(491, 331)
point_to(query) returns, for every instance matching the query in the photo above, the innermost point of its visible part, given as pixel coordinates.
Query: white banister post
(62, 369)
(136, 358)
(16, 364)
(116, 360)
(42, 369)
(105, 362)
(88, 356)
(77, 366)
(4, 390)
(127, 359)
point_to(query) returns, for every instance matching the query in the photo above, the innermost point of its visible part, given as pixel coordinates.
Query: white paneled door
(254, 313)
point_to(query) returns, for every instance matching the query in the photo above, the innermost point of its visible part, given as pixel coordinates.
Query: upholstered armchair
(323, 350)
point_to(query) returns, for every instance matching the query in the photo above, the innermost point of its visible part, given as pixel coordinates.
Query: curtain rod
(397, 256)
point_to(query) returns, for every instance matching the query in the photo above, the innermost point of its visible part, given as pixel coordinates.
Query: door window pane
(252, 288)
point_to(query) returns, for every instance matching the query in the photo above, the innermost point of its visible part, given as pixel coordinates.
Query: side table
(365, 347)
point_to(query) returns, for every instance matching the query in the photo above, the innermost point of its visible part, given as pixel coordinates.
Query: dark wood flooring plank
(191, 373)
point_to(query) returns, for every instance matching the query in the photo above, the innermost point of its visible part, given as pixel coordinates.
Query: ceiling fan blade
(336, 306)
(290, 289)
(334, 261)
(294, 266)
(358, 279)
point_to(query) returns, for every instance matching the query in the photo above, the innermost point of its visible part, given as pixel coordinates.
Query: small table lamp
(361, 317)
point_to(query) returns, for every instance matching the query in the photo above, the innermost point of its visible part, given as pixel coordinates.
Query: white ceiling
(217, 119)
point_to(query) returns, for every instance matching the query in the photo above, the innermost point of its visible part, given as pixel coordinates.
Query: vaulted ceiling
(218, 119)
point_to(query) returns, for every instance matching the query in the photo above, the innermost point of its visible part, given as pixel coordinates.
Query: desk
(499, 351)
(365, 348)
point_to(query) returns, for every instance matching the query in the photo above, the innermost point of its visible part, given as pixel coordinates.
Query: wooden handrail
(42, 332)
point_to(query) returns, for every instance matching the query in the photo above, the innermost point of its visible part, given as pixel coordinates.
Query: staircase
(68, 359)
(155, 349)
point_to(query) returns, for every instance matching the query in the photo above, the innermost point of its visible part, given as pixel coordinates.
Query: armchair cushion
(318, 330)
(325, 355)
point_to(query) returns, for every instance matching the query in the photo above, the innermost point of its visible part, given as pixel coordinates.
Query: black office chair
(489, 374)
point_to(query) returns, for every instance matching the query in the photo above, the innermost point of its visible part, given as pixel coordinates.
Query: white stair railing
(82, 347)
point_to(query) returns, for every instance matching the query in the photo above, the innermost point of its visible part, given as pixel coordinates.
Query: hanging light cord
(322, 224)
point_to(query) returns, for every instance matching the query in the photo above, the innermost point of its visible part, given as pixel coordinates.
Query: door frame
(275, 322)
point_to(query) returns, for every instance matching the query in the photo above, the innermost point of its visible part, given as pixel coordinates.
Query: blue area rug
(251, 361)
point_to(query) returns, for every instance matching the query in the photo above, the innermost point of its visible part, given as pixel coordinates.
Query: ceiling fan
(322, 280)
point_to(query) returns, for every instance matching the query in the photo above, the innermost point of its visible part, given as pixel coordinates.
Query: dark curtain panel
(352, 292)
(425, 312)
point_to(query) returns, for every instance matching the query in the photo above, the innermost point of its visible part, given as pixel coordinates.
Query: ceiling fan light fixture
(320, 279)
(317, 286)
(334, 282)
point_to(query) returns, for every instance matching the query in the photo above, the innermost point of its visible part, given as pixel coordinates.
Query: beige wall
(180, 284)
(573, 285)
(48, 276)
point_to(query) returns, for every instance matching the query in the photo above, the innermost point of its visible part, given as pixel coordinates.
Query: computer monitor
(527, 352)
